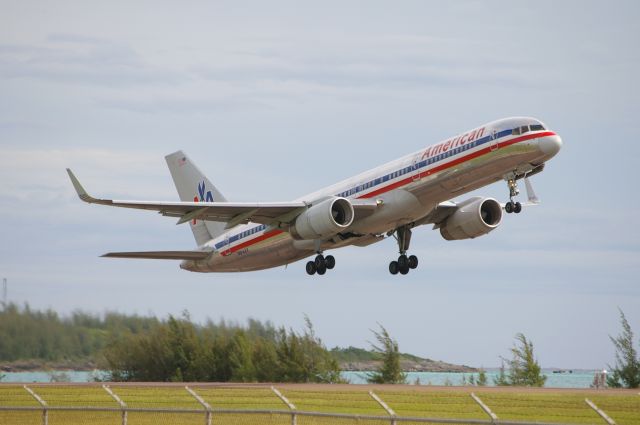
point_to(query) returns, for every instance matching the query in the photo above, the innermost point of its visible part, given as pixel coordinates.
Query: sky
(273, 100)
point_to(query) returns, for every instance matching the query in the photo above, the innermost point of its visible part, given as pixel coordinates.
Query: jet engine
(473, 218)
(324, 219)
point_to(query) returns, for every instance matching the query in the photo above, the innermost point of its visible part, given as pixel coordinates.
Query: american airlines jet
(389, 200)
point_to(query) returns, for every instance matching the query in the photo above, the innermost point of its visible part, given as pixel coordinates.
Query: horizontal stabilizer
(161, 255)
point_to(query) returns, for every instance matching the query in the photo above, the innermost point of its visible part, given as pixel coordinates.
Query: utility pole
(4, 293)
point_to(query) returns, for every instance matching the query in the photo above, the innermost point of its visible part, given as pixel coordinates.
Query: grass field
(509, 404)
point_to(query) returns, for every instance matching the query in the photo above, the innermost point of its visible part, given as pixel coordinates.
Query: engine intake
(475, 217)
(323, 220)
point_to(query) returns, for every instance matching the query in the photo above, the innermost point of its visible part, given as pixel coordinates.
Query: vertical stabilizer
(193, 186)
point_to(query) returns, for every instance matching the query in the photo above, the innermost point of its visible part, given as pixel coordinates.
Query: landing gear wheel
(393, 267)
(320, 261)
(330, 261)
(311, 268)
(403, 262)
(517, 208)
(509, 207)
(322, 269)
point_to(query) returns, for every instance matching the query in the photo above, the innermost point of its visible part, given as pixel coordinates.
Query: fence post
(45, 413)
(294, 419)
(484, 407)
(122, 404)
(600, 412)
(207, 407)
(385, 407)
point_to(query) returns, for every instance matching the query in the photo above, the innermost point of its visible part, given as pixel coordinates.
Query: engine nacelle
(324, 219)
(476, 217)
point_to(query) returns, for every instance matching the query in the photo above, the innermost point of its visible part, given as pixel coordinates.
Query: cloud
(39, 174)
(379, 61)
(82, 60)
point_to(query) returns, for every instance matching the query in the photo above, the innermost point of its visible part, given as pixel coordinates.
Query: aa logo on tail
(204, 195)
(201, 191)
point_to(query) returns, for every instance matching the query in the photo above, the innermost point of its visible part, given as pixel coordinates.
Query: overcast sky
(273, 100)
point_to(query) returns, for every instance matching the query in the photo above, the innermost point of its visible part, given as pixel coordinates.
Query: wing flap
(161, 255)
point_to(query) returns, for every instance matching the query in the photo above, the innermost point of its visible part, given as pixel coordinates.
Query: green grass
(624, 409)
(510, 404)
(542, 407)
(354, 402)
(432, 404)
(240, 398)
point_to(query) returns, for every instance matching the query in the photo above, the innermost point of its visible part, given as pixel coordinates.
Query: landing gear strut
(404, 263)
(320, 264)
(511, 206)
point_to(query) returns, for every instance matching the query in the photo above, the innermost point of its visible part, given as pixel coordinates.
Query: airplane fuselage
(405, 191)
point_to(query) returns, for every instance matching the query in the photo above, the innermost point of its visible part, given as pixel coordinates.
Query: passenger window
(537, 127)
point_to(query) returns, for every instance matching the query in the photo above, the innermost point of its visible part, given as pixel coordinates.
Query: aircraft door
(494, 141)
(414, 169)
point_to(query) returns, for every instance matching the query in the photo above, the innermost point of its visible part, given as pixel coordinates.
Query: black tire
(311, 268)
(320, 261)
(404, 270)
(403, 262)
(517, 208)
(330, 261)
(393, 267)
(509, 207)
(413, 262)
(322, 269)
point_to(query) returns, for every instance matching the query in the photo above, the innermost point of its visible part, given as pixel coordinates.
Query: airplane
(386, 201)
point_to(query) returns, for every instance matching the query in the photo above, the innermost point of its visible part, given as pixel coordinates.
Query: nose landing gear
(404, 262)
(511, 206)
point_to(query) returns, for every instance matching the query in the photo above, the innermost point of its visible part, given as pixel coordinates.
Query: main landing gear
(404, 263)
(511, 206)
(321, 264)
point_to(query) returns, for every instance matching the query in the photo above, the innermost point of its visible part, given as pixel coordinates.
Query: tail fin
(192, 185)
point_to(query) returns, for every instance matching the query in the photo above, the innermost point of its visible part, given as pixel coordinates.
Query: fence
(209, 415)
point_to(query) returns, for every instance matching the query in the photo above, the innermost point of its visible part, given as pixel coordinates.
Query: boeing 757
(389, 200)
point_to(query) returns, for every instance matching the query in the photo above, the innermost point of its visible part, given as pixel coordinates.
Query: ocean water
(577, 379)
(52, 376)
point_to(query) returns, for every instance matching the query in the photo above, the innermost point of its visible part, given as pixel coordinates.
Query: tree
(501, 380)
(389, 371)
(303, 357)
(524, 369)
(626, 373)
(240, 358)
(481, 380)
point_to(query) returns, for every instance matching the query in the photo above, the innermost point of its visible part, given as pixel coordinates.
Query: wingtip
(82, 193)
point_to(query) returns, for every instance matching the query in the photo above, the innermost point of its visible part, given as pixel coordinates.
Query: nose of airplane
(550, 145)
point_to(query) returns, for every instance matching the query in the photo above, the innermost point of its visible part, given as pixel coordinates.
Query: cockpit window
(515, 131)
(524, 129)
(537, 127)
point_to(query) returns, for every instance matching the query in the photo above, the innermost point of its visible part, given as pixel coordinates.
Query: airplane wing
(232, 213)
(161, 255)
(439, 214)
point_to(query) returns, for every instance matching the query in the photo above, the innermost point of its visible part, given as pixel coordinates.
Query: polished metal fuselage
(457, 168)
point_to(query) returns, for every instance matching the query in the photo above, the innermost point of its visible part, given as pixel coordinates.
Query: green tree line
(135, 348)
(44, 335)
(179, 350)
